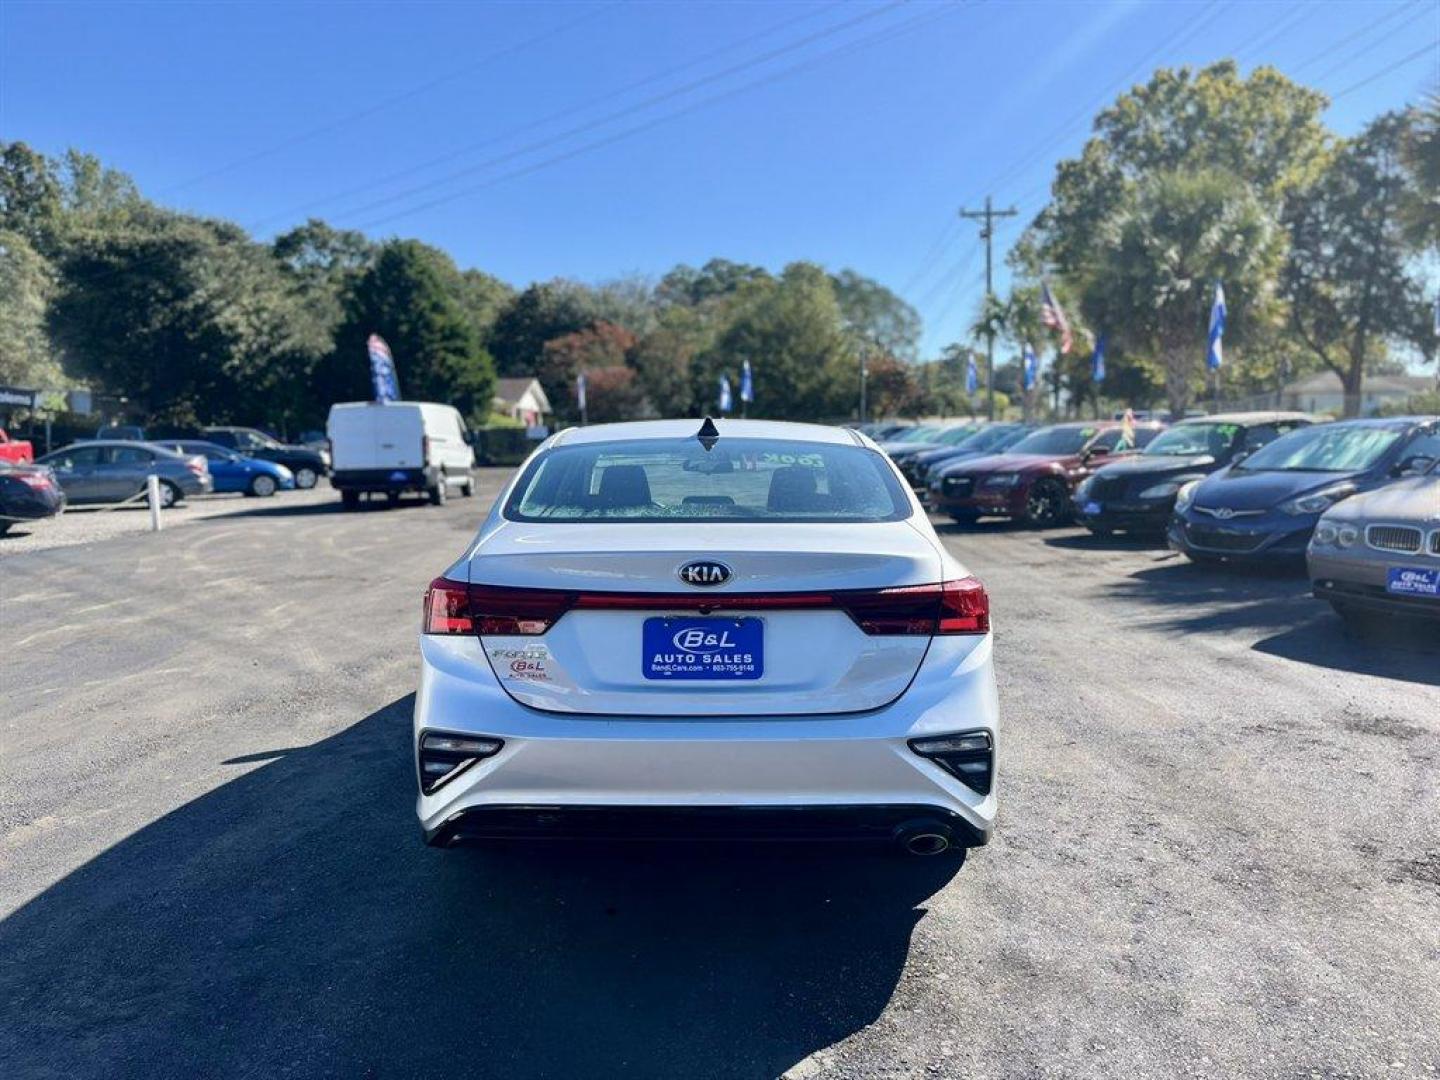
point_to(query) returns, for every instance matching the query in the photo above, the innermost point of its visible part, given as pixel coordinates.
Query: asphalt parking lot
(1219, 850)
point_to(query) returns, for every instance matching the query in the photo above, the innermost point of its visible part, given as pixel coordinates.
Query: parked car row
(1358, 499)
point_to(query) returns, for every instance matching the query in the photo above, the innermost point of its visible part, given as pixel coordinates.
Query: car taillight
(424, 449)
(447, 608)
(452, 607)
(38, 481)
(197, 466)
(951, 607)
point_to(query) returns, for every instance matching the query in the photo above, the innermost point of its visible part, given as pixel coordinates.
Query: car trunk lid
(807, 653)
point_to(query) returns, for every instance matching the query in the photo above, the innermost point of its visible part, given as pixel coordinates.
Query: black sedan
(1138, 494)
(27, 493)
(308, 465)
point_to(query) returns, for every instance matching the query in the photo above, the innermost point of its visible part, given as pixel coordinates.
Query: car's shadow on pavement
(1120, 541)
(1276, 601)
(290, 923)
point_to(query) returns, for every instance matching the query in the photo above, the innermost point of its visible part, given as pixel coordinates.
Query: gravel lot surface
(85, 524)
(1218, 855)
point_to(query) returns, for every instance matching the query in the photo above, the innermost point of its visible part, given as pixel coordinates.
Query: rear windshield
(737, 480)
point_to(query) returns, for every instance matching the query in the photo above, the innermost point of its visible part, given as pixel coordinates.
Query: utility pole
(987, 233)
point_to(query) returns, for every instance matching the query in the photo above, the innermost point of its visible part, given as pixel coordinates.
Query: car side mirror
(1414, 465)
(1097, 451)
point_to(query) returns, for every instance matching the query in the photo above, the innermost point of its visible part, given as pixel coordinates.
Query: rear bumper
(847, 775)
(750, 824)
(1000, 502)
(384, 479)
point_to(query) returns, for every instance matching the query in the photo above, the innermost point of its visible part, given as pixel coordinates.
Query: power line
(1426, 48)
(372, 184)
(1174, 40)
(380, 106)
(628, 110)
(1345, 61)
(1365, 30)
(929, 16)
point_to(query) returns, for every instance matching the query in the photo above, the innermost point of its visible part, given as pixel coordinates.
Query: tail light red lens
(950, 607)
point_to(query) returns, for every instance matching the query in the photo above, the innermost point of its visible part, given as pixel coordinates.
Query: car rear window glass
(1325, 448)
(737, 480)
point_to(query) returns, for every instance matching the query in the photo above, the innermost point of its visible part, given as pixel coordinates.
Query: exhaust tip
(923, 838)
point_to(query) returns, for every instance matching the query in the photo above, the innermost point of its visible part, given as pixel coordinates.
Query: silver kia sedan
(113, 470)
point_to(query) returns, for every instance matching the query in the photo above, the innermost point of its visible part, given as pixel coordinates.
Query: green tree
(31, 196)
(1347, 278)
(1181, 177)
(537, 314)
(27, 281)
(805, 362)
(875, 314)
(438, 355)
(662, 361)
(186, 316)
(1421, 157)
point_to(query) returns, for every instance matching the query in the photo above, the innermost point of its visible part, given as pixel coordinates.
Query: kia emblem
(704, 573)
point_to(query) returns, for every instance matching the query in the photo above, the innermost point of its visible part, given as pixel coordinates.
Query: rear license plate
(1412, 581)
(1091, 508)
(694, 648)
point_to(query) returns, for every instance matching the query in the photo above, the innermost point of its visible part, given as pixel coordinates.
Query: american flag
(1053, 316)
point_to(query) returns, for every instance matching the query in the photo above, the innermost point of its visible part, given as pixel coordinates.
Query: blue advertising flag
(1097, 362)
(972, 377)
(747, 383)
(1437, 314)
(724, 401)
(1215, 356)
(1031, 367)
(580, 391)
(382, 369)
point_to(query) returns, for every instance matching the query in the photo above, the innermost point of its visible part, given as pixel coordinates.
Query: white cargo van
(398, 446)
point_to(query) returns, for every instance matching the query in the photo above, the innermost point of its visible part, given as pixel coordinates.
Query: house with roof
(1323, 392)
(522, 399)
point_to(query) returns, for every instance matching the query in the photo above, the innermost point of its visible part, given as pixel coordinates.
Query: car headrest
(792, 487)
(624, 485)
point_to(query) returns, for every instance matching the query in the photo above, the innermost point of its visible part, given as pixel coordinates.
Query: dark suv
(1138, 494)
(308, 465)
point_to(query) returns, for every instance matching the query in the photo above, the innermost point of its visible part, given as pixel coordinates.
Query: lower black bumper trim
(861, 822)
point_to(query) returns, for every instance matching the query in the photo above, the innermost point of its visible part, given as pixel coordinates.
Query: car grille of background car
(1403, 538)
(1108, 487)
(959, 486)
(1217, 540)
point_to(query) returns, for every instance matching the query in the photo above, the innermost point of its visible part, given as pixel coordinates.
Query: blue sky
(595, 140)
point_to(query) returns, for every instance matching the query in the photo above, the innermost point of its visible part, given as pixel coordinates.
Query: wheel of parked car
(169, 494)
(439, 493)
(305, 478)
(350, 500)
(1047, 503)
(263, 486)
(469, 488)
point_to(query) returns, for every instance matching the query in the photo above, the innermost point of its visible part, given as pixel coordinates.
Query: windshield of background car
(916, 434)
(990, 438)
(1325, 448)
(738, 480)
(954, 436)
(1190, 439)
(1055, 441)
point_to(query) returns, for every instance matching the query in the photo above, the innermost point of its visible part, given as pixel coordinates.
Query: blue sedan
(234, 472)
(1264, 507)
